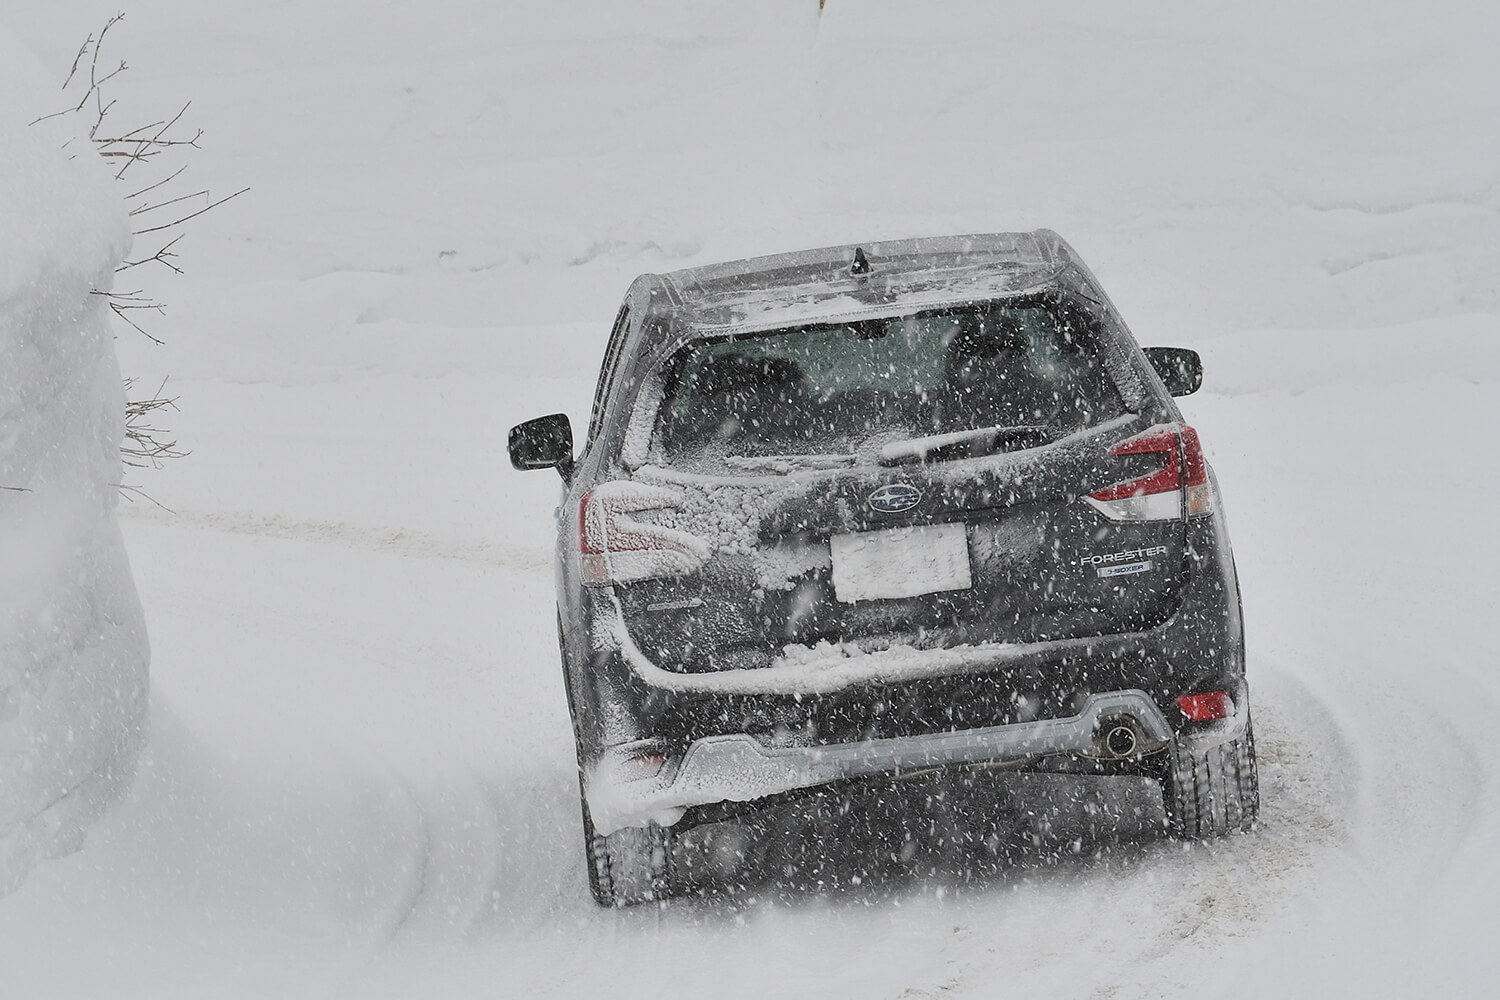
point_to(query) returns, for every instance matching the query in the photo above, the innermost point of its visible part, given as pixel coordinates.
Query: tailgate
(1005, 549)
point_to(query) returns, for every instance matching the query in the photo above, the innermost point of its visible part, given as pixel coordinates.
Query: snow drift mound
(73, 651)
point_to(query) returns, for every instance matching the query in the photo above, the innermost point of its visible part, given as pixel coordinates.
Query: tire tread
(628, 866)
(1212, 794)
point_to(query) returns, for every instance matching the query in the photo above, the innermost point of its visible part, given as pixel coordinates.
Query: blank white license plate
(900, 562)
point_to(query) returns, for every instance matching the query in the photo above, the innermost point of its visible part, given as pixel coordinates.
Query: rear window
(948, 384)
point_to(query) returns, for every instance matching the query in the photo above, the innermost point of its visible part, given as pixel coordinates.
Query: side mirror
(543, 443)
(1181, 370)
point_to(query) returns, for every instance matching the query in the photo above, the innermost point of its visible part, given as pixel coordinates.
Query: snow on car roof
(813, 285)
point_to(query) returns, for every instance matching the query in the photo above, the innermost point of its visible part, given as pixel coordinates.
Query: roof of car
(818, 285)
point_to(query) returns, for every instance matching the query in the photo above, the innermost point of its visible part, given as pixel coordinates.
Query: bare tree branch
(78, 59)
(162, 256)
(143, 209)
(194, 215)
(152, 187)
(146, 445)
(130, 492)
(121, 303)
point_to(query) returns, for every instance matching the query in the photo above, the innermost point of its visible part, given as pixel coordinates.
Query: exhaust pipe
(1120, 741)
(1118, 738)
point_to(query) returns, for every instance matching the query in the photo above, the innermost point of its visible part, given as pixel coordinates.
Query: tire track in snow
(464, 853)
(488, 852)
(404, 907)
(1412, 747)
(398, 541)
(467, 819)
(1136, 906)
(1332, 799)
(486, 880)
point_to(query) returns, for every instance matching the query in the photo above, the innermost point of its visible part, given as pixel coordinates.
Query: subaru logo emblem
(895, 498)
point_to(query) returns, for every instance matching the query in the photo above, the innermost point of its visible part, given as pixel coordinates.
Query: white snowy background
(360, 778)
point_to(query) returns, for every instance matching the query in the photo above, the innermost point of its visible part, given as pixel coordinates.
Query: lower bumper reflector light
(1206, 706)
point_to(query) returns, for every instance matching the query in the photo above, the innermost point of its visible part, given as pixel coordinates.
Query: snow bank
(73, 651)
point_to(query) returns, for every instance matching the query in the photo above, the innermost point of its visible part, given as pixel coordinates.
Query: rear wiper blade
(960, 444)
(784, 464)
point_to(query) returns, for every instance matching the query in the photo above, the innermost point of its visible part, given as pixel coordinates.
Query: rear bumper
(828, 668)
(739, 768)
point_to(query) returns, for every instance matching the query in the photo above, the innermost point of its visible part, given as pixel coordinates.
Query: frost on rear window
(954, 383)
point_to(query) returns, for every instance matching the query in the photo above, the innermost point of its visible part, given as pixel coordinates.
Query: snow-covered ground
(360, 781)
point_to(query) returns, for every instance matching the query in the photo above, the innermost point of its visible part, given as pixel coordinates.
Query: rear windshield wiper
(784, 464)
(965, 444)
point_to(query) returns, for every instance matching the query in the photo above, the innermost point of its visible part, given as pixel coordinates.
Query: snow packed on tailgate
(848, 514)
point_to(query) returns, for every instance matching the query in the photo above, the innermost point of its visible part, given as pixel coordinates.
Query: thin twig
(78, 59)
(132, 136)
(120, 309)
(160, 257)
(152, 187)
(144, 445)
(205, 208)
(143, 209)
(95, 82)
(131, 492)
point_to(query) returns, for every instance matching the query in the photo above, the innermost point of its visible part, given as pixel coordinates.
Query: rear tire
(628, 866)
(631, 865)
(1214, 793)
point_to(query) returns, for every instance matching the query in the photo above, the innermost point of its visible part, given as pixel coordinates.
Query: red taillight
(1182, 463)
(1206, 706)
(646, 765)
(601, 528)
(1159, 495)
(617, 548)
